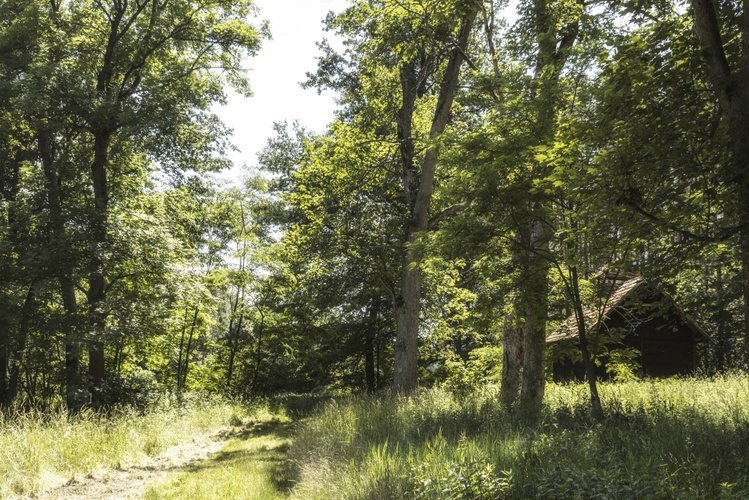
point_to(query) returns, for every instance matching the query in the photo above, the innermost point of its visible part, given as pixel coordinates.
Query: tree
(727, 68)
(419, 48)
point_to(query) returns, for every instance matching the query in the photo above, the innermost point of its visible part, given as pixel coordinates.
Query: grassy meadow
(42, 451)
(684, 438)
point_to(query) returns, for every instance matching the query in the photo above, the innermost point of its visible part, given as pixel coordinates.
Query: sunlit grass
(251, 466)
(41, 451)
(661, 439)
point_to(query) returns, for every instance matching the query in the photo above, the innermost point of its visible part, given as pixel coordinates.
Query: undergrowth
(39, 451)
(686, 438)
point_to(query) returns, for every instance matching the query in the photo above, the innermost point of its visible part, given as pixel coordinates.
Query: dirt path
(131, 482)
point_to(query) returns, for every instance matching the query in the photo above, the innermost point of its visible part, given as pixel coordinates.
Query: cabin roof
(568, 329)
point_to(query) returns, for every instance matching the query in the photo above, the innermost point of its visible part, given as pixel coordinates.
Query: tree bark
(731, 88)
(258, 354)
(75, 388)
(533, 241)
(534, 304)
(419, 197)
(590, 367)
(512, 362)
(370, 339)
(27, 311)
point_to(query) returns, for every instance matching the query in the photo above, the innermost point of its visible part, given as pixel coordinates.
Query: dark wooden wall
(666, 344)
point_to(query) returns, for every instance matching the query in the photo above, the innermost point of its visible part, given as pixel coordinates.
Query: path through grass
(251, 465)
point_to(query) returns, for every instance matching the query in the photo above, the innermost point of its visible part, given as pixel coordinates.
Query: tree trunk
(534, 297)
(27, 310)
(75, 388)
(75, 392)
(731, 87)
(234, 333)
(233, 348)
(96, 281)
(188, 349)
(512, 362)
(184, 352)
(419, 197)
(531, 252)
(258, 354)
(590, 367)
(370, 339)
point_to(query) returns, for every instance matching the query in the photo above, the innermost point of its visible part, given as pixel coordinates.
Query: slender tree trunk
(233, 334)
(370, 340)
(188, 351)
(75, 389)
(419, 197)
(27, 311)
(258, 353)
(590, 367)
(5, 400)
(184, 351)
(233, 348)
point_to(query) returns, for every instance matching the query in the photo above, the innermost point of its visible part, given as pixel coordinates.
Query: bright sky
(275, 77)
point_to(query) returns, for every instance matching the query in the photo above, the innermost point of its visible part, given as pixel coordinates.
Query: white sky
(275, 77)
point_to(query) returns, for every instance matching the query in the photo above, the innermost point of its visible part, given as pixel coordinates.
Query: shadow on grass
(247, 453)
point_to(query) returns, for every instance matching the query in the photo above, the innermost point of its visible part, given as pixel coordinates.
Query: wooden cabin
(636, 315)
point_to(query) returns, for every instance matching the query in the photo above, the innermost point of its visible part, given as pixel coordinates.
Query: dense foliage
(486, 161)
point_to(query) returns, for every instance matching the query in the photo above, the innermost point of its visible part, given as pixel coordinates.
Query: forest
(488, 162)
(477, 176)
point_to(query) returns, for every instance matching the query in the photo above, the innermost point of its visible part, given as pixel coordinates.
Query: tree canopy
(487, 164)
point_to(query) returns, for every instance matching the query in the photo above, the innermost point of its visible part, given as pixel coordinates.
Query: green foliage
(483, 367)
(471, 476)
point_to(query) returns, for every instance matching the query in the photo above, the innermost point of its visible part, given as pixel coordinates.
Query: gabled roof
(568, 329)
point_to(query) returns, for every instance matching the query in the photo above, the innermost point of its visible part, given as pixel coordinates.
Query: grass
(41, 451)
(252, 466)
(685, 438)
(661, 439)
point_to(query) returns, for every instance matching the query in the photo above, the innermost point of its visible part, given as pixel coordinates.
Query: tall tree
(420, 46)
(727, 65)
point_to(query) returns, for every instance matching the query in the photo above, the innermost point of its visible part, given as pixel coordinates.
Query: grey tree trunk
(419, 197)
(512, 362)
(531, 250)
(534, 296)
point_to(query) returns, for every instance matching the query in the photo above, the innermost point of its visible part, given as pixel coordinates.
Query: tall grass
(685, 438)
(40, 451)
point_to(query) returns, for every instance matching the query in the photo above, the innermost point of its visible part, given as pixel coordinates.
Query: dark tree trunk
(96, 281)
(233, 348)
(370, 341)
(75, 388)
(590, 367)
(27, 311)
(258, 354)
(183, 359)
(731, 88)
